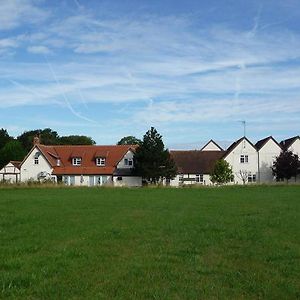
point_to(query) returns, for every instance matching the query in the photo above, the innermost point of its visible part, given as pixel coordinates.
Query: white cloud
(13, 13)
(39, 50)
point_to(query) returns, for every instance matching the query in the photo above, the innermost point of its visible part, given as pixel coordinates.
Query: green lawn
(80, 243)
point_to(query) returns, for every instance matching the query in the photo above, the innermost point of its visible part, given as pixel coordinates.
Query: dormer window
(100, 161)
(128, 162)
(76, 161)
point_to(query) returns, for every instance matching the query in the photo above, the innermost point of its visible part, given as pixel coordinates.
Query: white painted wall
(130, 181)
(267, 155)
(233, 158)
(87, 180)
(211, 147)
(295, 147)
(10, 173)
(189, 179)
(30, 171)
(121, 164)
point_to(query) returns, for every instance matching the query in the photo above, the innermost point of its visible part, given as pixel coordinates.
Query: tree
(129, 140)
(13, 150)
(51, 137)
(47, 136)
(286, 165)
(222, 172)
(243, 174)
(4, 137)
(152, 161)
(76, 140)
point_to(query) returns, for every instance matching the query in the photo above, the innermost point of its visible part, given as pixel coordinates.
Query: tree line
(16, 148)
(152, 160)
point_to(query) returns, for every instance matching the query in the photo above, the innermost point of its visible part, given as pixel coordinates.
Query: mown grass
(85, 243)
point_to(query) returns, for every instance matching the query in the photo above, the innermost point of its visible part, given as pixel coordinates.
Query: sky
(192, 69)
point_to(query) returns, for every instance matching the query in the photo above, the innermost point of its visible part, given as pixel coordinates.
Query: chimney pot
(36, 140)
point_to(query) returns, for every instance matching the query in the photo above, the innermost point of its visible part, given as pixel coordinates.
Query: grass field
(80, 243)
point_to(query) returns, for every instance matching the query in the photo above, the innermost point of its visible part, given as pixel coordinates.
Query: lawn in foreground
(236, 242)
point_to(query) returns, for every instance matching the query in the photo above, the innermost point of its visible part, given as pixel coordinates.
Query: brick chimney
(36, 140)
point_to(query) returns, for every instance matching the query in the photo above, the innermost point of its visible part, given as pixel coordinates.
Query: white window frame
(36, 160)
(128, 162)
(76, 161)
(244, 158)
(100, 161)
(252, 178)
(199, 178)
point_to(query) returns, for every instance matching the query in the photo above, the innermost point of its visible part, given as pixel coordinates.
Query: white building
(292, 144)
(194, 167)
(11, 172)
(242, 157)
(81, 165)
(267, 150)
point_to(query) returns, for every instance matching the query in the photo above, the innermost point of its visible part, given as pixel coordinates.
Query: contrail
(256, 22)
(75, 113)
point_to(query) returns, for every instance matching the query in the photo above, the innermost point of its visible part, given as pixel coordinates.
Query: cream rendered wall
(12, 178)
(295, 147)
(130, 181)
(121, 164)
(176, 181)
(267, 155)
(87, 180)
(233, 158)
(30, 171)
(211, 147)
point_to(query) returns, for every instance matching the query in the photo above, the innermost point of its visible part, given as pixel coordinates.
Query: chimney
(36, 140)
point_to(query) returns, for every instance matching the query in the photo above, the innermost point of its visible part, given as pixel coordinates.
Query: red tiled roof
(64, 154)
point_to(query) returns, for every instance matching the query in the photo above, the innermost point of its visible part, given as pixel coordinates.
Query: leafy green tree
(76, 140)
(129, 140)
(222, 172)
(47, 137)
(286, 166)
(13, 150)
(4, 137)
(152, 161)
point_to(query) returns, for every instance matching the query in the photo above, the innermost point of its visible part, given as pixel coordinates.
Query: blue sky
(192, 69)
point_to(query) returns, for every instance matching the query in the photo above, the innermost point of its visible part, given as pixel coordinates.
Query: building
(11, 172)
(114, 165)
(267, 150)
(194, 167)
(81, 165)
(292, 144)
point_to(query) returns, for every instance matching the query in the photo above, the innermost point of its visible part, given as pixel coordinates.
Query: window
(128, 162)
(65, 180)
(181, 178)
(119, 178)
(252, 178)
(199, 178)
(76, 161)
(244, 159)
(100, 161)
(36, 158)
